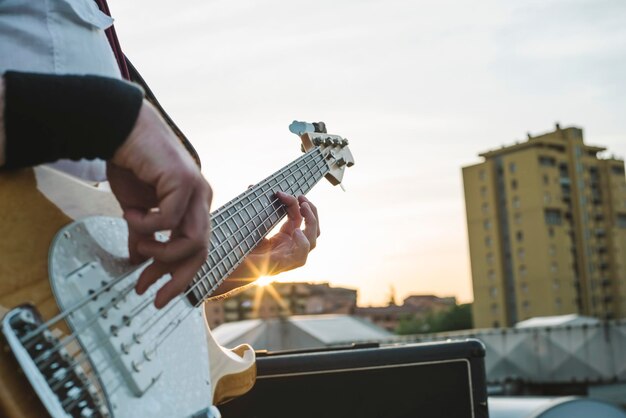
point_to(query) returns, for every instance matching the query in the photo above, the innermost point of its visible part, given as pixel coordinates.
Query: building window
(555, 284)
(493, 292)
(483, 192)
(514, 184)
(522, 270)
(526, 305)
(494, 309)
(516, 202)
(518, 218)
(489, 258)
(512, 167)
(551, 232)
(552, 250)
(521, 254)
(488, 241)
(487, 224)
(481, 174)
(554, 267)
(547, 198)
(553, 216)
(524, 287)
(519, 235)
(547, 161)
(485, 208)
(546, 179)
(557, 304)
(617, 169)
(491, 275)
(621, 220)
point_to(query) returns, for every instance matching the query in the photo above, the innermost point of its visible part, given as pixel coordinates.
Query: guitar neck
(240, 225)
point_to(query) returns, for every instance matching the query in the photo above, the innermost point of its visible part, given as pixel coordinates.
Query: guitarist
(99, 126)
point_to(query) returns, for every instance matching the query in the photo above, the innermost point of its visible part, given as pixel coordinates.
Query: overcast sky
(418, 87)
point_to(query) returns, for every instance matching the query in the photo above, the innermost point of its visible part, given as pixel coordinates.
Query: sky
(418, 87)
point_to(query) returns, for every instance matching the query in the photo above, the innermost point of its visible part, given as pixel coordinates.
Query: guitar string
(82, 302)
(178, 321)
(297, 186)
(223, 245)
(79, 304)
(239, 243)
(68, 339)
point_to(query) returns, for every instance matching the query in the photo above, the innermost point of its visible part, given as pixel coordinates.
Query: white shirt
(58, 37)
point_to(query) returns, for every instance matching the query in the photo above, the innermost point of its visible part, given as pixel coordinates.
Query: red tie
(115, 45)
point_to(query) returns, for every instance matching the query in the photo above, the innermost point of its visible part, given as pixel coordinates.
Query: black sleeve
(48, 117)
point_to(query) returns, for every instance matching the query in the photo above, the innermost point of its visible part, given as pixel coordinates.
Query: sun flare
(264, 281)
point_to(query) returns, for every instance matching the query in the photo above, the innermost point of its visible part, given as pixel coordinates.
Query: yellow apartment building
(547, 230)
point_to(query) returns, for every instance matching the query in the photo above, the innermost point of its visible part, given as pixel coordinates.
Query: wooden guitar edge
(233, 385)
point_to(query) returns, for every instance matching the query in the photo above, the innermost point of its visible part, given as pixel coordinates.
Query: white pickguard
(176, 381)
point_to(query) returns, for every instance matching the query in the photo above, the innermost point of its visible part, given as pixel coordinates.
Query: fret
(241, 224)
(218, 234)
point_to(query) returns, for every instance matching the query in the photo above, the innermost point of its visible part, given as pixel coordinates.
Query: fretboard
(240, 225)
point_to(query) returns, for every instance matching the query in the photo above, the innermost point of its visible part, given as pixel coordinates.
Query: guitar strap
(129, 72)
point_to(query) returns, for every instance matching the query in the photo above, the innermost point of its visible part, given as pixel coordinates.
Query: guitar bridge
(60, 382)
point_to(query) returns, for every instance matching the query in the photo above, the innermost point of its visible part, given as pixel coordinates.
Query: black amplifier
(428, 380)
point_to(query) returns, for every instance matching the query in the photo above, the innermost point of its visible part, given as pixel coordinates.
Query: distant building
(547, 230)
(413, 307)
(279, 300)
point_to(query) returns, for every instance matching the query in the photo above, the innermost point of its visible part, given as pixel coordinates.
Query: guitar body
(53, 254)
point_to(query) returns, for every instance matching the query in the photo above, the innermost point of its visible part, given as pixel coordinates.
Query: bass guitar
(77, 341)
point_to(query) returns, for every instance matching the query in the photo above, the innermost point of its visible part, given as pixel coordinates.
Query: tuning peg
(317, 141)
(344, 143)
(341, 162)
(328, 141)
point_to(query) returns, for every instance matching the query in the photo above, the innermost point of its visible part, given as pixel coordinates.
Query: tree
(456, 318)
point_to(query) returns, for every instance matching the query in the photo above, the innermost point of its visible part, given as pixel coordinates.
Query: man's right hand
(160, 188)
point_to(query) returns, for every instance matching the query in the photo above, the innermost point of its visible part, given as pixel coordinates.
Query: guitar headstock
(333, 147)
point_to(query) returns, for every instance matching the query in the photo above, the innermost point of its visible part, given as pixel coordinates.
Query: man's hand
(286, 250)
(160, 188)
(290, 247)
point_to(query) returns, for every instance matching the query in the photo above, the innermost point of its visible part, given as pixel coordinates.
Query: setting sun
(264, 281)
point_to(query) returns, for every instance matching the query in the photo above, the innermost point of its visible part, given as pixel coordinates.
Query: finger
(181, 278)
(302, 199)
(149, 275)
(172, 251)
(294, 218)
(174, 196)
(191, 237)
(310, 224)
(134, 238)
(263, 246)
(302, 249)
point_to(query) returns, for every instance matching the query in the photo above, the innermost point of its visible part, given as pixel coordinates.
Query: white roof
(337, 329)
(233, 330)
(298, 332)
(556, 321)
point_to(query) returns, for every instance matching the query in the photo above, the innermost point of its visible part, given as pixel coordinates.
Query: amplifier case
(426, 380)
